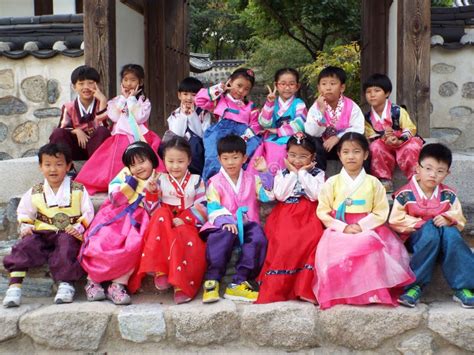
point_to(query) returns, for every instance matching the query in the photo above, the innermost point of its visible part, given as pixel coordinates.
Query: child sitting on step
(233, 214)
(429, 214)
(53, 216)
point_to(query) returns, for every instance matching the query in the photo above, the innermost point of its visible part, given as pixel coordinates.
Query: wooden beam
(413, 61)
(79, 6)
(43, 7)
(374, 46)
(99, 41)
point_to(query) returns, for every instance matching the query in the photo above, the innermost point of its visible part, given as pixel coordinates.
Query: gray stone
(420, 344)
(32, 286)
(9, 318)
(3, 131)
(288, 325)
(5, 156)
(11, 209)
(366, 327)
(26, 133)
(34, 88)
(3, 219)
(18, 184)
(30, 153)
(443, 68)
(47, 112)
(11, 105)
(6, 79)
(141, 323)
(460, 111)
(446, 135)
(53, 91)
(454, 323)
(74, 326)
(468, 90)
(202, 324)
(447, 89)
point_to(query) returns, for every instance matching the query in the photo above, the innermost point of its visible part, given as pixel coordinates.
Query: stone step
(155, 324)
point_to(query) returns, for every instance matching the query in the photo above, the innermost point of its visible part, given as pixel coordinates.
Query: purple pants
(64, 136)
(219, 247)
(59, 250)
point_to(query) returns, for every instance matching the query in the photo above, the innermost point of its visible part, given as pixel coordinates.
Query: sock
(16, 278)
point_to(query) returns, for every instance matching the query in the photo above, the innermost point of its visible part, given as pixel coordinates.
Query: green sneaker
(465, 297)
(411, 296)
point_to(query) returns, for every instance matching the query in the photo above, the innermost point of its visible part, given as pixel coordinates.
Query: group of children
(178, 208)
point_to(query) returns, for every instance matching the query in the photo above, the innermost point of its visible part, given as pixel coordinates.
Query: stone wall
(452, 96)
(32, 92)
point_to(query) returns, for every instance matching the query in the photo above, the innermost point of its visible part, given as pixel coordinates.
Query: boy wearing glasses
(430, 214)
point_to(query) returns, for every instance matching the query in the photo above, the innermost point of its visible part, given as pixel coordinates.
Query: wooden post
(99, 42)
(374, 47)
(413, 61)
(43, 7)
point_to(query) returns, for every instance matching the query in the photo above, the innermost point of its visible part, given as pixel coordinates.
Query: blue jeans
(430, 243)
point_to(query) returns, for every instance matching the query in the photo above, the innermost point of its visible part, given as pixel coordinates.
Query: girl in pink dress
(359, 260)
(113, 243)
(173, 250)
(129, 112)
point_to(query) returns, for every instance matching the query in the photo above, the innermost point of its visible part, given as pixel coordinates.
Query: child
(359, 260)
(234, 219)
(83, 125)
(430, 215)
(281, 117)
(173, 251)
(52, 215)
(332, 114)
(293, 227)
(112, 245)
(129, 112)
(190, 122)
(391, 132)
(236, 116)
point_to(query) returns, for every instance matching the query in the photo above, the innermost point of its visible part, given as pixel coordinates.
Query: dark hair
(179, 143)
(138, 71)
(291, 71)
(139, 149)
(302, 140)
(437, 151)
(84, 72)
(333, 72)
(190, 84)
(245, 73)
(378, 80)
(53, 150)
(231, 144)
(354, 137)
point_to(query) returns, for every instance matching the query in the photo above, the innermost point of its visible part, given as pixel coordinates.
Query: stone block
(419, 344)
(447, 89)
(289, 325)
(468, 90)
(366, 327)
(26, 133)
(443, 68)
(142, 323)
(204, 324)
(47, 112)
(453, 323)
(3, 131)
(6, 79)
(32, 286)
(75, 326)
(19, 175)
(9, 318)
(34, 88)
(11, 105)
(52, 91)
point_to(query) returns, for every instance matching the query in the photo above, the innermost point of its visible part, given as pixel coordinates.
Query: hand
(187, 108)
(260, 164)
(392, 140)
(271, 130)
(330, 143)
(26, 231)
(388, 132)
(290, 167)
(82, 137)
(440, 221)
(227, 85)
(352, 229)
(135, 91)
(177, 222)
(231, 228)
(271, 93)
(151, 185)
(125, 93)
(309, 167)
(72, 231)
(321, 104)
(98, 94)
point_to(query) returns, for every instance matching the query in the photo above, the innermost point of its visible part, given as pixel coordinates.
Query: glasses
(299, 157)
(289, 85)
(430, 171)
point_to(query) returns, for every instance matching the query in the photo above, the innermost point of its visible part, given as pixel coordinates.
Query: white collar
(235, 187)
(83, 111)
(283, 105)
(420, 191)
(384, 112)
(235, 101)
(179, 183)
(352, 184)
(62, 198)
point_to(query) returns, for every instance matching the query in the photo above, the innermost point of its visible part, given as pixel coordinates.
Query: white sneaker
(65, 293)
(12, 297)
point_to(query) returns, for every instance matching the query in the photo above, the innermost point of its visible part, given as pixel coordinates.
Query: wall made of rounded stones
(32, 92)
(452, 97)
